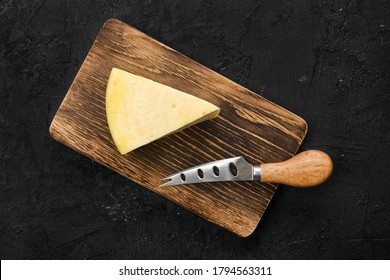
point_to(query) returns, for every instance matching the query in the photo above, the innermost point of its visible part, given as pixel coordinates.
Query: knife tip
(166, 184)
(169, 183)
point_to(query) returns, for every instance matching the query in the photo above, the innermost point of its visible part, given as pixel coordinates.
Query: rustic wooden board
(248, 125)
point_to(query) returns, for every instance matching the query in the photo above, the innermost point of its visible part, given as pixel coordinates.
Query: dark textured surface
(326, 61)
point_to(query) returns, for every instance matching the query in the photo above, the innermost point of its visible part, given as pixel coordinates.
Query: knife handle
(307, 169)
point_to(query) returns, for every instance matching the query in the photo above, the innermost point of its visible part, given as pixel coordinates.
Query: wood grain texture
(248, 125)
(307, 169)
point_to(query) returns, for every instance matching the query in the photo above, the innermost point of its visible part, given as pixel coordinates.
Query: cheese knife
(307, 169)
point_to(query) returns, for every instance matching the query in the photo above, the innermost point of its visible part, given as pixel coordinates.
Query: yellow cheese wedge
(140, 110)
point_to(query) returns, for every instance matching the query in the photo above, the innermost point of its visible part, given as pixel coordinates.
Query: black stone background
(327, 61)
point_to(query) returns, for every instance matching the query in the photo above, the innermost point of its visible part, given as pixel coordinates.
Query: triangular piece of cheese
(140, 110)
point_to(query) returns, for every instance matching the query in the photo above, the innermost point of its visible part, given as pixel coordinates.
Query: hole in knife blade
(233, 169)
(183, 177)
(200, 173)
(216, 171)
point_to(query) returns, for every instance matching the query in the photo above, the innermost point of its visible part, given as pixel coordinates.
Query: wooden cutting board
(248, 125)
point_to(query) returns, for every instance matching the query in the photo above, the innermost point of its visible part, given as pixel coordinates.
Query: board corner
(111, 21)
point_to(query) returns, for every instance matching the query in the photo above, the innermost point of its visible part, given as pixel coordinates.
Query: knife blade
(307, 169)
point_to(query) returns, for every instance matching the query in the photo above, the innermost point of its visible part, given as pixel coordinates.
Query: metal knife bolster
(256, 173)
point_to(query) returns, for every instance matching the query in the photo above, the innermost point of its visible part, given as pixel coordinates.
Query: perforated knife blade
(307, 169)
(231, 169)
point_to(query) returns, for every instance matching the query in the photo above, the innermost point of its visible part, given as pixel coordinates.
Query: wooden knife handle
(307, 169)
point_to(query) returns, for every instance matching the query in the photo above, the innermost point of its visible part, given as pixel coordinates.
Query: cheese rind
(140, 110)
